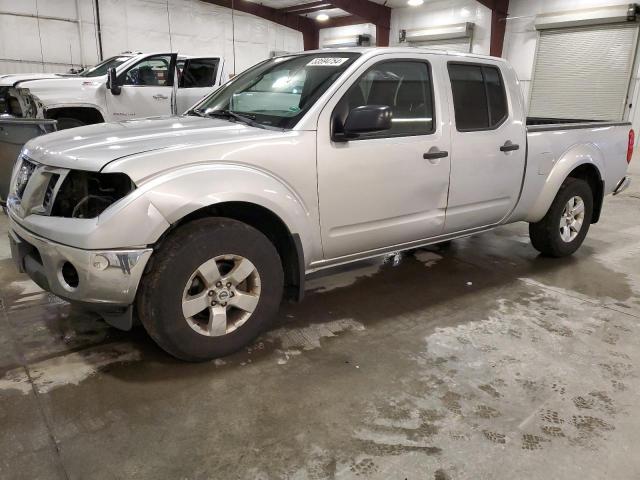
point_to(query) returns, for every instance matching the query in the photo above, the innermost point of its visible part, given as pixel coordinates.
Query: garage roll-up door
(455, 45)
(584, 72)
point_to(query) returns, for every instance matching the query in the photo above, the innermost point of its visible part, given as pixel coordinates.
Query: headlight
(88, 194)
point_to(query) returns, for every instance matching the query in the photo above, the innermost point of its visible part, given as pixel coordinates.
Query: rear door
(386, 188)
(198, 78)
(488, 145)
(146, 89)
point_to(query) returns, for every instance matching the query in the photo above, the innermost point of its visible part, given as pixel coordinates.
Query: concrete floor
(479, 360)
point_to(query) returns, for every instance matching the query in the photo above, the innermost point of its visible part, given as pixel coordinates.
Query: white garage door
(455, 45)
(583, 73)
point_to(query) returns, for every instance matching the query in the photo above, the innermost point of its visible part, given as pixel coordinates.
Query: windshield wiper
(228, 114)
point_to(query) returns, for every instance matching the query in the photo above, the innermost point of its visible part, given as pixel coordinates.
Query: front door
(146, 89)
(386, 188)
(488, 146)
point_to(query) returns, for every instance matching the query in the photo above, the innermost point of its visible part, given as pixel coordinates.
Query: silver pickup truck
(202, 223)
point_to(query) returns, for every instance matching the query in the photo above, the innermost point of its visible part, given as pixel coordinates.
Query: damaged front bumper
(104, 281)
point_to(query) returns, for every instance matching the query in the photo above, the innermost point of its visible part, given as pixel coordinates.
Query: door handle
(435, 155)
(160, 97)
(509, 147)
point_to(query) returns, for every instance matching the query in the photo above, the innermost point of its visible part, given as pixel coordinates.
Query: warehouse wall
(53, 35)
(445, 12)
(438, 12)
(521, 36)
(31, 31)
(521, 39)
(350, 31)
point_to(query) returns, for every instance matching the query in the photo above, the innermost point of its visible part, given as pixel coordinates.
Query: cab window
(150, 72)
(479, 97)
(199, 73)
(403, 85)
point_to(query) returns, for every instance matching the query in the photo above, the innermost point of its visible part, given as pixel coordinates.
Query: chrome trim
(575, 126)
(622, 185)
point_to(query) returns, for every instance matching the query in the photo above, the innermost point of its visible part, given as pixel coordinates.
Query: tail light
(632, 141)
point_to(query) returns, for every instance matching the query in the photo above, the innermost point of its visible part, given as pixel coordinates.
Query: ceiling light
(323, 17)
(415, 3)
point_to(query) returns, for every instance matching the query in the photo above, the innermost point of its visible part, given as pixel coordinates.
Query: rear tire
(563, 229)
(210, 261)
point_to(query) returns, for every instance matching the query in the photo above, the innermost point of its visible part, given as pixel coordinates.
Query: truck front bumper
(100, 279)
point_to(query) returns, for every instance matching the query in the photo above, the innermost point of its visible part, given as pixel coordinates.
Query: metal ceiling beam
(499, 13)
(370, 12)
(303, 6)
(304, 11)
(342, 21)
(307, 26)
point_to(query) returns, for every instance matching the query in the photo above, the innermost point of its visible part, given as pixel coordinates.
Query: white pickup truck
(201, 223)
(16, 105)
(142, 85)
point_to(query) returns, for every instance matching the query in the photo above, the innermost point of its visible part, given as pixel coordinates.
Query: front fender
(142, 217)
(177, 193)
(574, 157)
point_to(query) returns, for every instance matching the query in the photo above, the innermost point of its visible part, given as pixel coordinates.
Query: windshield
(101, 68)
(277, 92)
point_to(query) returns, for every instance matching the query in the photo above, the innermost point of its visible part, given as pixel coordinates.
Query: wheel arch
(288, 244)
(88, 114)
(589, 173)
(582, 161)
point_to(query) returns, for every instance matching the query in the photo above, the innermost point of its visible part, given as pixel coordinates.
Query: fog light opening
(70, 275)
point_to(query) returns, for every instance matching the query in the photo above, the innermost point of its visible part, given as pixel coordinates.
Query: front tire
(563, 229)
(214, 285)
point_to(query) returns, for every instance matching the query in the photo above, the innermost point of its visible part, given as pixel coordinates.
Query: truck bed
(550, 140)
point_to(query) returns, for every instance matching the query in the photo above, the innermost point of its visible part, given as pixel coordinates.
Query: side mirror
(112, 81)
(367, 119)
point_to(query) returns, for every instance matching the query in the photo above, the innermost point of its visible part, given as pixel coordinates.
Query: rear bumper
(103, 279)
(622, 185)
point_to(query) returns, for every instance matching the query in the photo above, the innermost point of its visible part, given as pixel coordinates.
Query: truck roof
(369, 51)
(180, 55)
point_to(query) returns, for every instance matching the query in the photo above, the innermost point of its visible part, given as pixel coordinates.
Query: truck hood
(12, 79)
(91, 148)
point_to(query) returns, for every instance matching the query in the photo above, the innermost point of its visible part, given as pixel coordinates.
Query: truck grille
(24, 175)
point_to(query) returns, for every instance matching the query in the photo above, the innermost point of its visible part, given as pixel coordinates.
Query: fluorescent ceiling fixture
(415, 3)
(323, 17)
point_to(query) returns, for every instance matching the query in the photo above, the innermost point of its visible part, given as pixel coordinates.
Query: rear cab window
(199, 73)
(479, 96)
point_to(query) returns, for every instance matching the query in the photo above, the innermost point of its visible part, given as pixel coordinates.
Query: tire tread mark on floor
(582, 298)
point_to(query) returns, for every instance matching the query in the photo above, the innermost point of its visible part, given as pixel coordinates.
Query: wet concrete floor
(474, 360)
